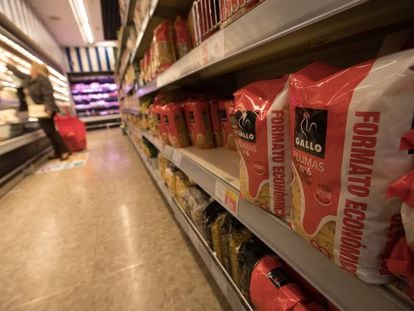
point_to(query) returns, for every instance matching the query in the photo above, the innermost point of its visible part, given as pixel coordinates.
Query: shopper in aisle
(41, 104)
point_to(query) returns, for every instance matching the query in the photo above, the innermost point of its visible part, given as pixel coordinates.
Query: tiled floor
(98, 237)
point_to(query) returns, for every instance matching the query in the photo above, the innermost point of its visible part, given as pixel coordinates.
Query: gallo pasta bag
(262, 126)
(163, 124)
(345, 132)
(262, 140)
(176, 128)
(198, 119)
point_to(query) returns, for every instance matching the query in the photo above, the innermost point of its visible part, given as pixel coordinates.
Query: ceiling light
(81, 14)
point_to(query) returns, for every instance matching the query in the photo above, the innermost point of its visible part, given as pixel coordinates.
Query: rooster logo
(307, 126)
(243, 121)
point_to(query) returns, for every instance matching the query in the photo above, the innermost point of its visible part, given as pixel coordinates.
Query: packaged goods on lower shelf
(345, 137)
(182, 184)
(149, 149)
(249, 252)
(176, 126)
(217, 228)
(198, 118)
(401, 260)
(171, 173)
(162, 165)
(196, 202)
(236, 239)
(210, 215)
(271, 288)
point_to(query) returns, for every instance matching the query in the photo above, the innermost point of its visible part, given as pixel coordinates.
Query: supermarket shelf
(159, 10)
(14, 143)
(217, 171)
(212, 169)
(278, 29)
(129, 20)
(219, 274)
(143, 29)
(100, 118)
(133, 111)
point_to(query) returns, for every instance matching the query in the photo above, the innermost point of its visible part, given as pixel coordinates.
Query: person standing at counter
(41, 104)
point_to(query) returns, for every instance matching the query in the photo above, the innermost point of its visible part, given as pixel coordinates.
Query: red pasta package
(176, 128)
(345, 132)
(401, 264)
(226, 106)
(199, 123)
(215, 122)
(182, 37)
(164, 48)
(403, 188)
(262, 139)
(162, 126)
(271, 288)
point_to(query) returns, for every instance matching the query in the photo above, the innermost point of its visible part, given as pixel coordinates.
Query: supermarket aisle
(97, 238)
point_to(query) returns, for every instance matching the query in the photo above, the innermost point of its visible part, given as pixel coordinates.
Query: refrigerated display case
(96, 99)
(21, 140)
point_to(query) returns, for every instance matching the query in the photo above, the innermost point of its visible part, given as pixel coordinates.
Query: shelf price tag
(220, 192)
(228, 198)
(176, 158)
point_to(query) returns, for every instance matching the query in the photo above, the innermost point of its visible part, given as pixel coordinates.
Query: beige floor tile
(98, 237)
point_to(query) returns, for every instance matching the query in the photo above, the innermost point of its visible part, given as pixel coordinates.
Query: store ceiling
(59, 19)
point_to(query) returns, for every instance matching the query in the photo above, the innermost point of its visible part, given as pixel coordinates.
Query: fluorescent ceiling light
(81, 14)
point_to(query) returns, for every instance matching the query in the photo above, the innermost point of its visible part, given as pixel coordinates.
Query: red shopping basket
(72, 131)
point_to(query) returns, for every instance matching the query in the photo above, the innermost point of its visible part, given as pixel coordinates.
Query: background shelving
(273, 39)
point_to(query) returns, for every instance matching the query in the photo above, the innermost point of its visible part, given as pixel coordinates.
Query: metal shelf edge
(254, 28)
(14, 143)
(344, 290)
(218, 273)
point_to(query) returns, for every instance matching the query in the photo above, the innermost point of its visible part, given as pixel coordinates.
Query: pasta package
(236, 239)
(176, 128)
(226, 112)
(164, 48)
(261, 114)
(403, 189)
(215, 122)
(271, 287)
(182, 37)
(199, 123)
(162, 124)
(345, 132)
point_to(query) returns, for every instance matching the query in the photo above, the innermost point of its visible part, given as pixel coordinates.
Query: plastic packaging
(345, 132)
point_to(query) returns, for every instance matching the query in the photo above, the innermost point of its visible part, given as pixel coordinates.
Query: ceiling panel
(61, 22)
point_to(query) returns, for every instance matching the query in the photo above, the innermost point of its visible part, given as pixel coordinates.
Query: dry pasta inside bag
(345, 137)
(262, 142)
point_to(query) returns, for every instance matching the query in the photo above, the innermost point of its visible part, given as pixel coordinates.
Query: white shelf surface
(211, 171)
(100, 118)
(268, 21)
(219, 274)
(14, 143)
